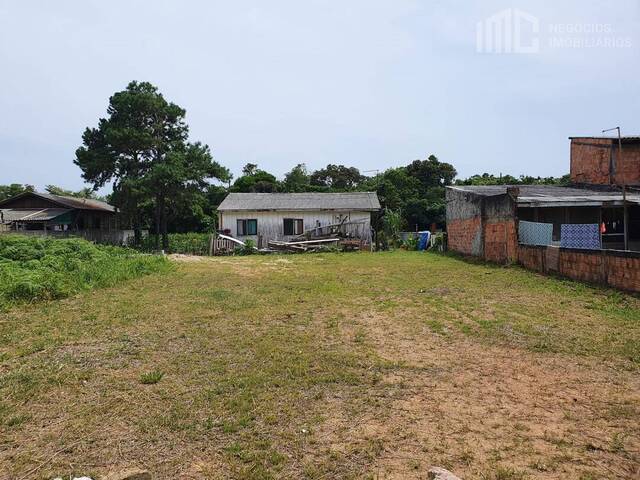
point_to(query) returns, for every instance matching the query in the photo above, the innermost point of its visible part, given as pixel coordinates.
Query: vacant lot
(325, 366)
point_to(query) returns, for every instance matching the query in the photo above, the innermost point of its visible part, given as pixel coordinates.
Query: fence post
(212, 244)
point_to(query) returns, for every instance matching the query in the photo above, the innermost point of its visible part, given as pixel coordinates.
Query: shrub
(43, 268)
(185, 243)
(412, 241)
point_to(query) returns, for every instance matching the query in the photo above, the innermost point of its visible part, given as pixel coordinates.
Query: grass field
(325, 366)
(35, 268)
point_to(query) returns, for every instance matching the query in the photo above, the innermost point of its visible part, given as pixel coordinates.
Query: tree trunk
(158, 220)
(165, 234)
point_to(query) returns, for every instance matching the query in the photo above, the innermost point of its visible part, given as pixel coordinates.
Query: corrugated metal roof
(81, 203)
(70, 202)
(367, 201)
(551, 194)
(32, 214)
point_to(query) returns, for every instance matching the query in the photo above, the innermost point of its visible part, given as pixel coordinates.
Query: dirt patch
(180, 257)
(475, 409)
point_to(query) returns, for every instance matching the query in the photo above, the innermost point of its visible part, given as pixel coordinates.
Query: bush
(412, 241)
(185, 243)
(248, 249)
(42, 268)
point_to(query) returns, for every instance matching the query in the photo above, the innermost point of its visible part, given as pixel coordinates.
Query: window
(247, 227)
(293, 226)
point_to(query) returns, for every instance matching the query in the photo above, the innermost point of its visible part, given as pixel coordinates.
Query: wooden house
(47, 214)
(286, 216)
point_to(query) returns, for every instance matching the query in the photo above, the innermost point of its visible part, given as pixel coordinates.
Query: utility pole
(625, 213)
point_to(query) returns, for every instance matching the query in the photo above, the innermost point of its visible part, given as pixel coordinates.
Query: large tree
(298, 179)
(255, 180)
(415, 191)
(8, 191)
(337, 177)
(142, 148)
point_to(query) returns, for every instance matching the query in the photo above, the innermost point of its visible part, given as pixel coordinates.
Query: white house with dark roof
(285, 216)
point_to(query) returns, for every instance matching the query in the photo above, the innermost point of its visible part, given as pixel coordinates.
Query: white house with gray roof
(285, 216)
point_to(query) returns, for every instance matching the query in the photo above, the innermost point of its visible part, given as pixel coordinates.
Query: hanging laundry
(603, 228)
(535, 233)
(582, 235)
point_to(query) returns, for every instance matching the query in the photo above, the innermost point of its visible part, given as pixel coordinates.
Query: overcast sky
(373, 84)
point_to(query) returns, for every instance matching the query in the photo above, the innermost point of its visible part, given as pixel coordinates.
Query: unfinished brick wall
(464, 235)
(464, 222)
(483, 226)
(598, 161)
(624, 272)
(587, 266)
(606, 267)
(627, 167)
(531, 257)
(500, 241)
(590, 160)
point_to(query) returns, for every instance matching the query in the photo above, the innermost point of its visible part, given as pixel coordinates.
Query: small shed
(285, 216)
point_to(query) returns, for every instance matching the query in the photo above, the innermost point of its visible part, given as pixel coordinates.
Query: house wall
(618, 269)
(271, 223)
(482, 226)
(464, 222)
(597, 161)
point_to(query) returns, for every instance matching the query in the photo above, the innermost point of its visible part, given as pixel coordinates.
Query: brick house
(483, 221)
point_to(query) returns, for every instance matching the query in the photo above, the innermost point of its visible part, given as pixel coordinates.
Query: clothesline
(574, 235)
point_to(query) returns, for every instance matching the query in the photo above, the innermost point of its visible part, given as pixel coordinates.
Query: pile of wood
(303, 246)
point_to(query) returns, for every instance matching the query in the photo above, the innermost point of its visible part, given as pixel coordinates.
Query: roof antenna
(624, 187)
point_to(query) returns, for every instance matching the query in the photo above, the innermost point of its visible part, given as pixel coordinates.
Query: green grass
(184, 243)
(306, 366)
(151, 378)
(40, 268)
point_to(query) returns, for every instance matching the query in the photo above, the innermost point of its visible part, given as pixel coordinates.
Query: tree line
(164, 182)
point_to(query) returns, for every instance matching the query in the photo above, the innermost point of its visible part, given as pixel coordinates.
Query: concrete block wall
(618, 269)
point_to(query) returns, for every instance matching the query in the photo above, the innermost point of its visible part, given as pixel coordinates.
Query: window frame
(297, 226)
(243, 224)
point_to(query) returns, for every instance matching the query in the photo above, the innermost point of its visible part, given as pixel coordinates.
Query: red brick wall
(628, 167)
(624, 273)
(500, 241)
(591, 159)
(586, 266)
(461, 235)
(531, 257)
(619, 270)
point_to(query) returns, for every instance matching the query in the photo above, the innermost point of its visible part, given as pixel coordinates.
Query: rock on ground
(438, 473)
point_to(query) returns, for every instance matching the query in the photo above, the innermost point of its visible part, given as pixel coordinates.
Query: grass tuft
(151, 378)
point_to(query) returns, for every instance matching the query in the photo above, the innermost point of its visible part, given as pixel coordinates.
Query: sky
(365, 83)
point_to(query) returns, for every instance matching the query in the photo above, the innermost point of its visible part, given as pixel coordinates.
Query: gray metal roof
(367, 201)
(80, 203)
(551, 195)
(69, 202)
(31, 214)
